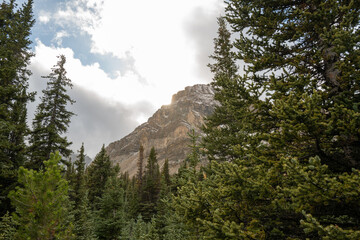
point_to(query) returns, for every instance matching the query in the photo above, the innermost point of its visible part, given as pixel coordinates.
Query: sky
(125, 58)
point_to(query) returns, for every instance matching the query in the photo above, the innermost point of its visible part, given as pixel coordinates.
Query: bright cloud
(152, 33)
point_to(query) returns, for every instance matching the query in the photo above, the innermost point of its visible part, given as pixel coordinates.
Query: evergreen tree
(297, 99)
(42, 203)
(52, 119)
(111, 216)
(97, 175)
(194, 156)
(230, 90)
(79, 180)
(83, 219)
(166, 174)
(303, 58)
(15, 25)
(7, 227)
(151, 187)
(140, 167)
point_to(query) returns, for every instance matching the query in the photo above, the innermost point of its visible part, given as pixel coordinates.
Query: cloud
(104, 113)
(97, 122)
(150, 37)
(200, 29)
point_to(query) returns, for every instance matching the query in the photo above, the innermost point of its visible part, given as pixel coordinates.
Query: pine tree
(304, 57)
(97, 175)
(15, 25)
(221, 129)
(111, 216)
(140, 167)
(151, 187)
(52, 119)
(287, 129)
(83, 219)
(79, 181)
(42, 203)
(165, 173)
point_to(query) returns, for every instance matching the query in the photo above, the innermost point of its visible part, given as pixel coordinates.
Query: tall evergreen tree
(97, 175)
(297, 99)
(140, 167)
(52, 119)
(151, 187)
(42, 203)
(111, 216)
(303, 57)
(79, 181)
(15, 29)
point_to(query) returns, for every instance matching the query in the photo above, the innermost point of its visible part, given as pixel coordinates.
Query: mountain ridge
(166, 130)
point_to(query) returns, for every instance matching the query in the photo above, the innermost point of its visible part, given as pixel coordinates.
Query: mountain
(166, 131)
(73, 158)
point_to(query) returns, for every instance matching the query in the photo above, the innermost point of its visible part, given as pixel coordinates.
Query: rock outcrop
(166, 131)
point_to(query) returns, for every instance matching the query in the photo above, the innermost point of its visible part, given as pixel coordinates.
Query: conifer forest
(282, 148)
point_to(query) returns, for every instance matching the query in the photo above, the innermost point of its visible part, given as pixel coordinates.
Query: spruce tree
(151, 187)
(304, 59)
(83, 219)
(140, 167)
(291, 145)
(52, 118)
(15, 25)
(79, 180)
(97, 175)
(111, 216)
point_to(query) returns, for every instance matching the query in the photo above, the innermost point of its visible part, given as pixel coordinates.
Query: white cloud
(59, 37)
(152, 32)
(44, 19)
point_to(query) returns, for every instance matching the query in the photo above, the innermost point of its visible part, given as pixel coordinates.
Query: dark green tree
(286, 133)
(52, 119)
(79, 187)
(42, 203)
(15, 28)
(151, 187)
(83, 219)
(303, 57)
(97, 175)
(140, 167)
(230, 91)
(111, 217)
(165, 173)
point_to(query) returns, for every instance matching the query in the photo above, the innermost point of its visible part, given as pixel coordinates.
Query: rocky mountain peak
(167, 130)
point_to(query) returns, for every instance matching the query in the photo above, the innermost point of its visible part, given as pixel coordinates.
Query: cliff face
(166, 130)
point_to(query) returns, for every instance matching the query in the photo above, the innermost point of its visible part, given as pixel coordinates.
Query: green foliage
(79, 180)
(52, 118)
(15, 28)
(83, 220)
(111, 216)
(97, 175)
(286, 135)
(42, 203)
(7, 227)
(151, 187)
(139, 229)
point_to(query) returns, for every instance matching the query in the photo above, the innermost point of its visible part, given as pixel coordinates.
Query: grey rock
(166, 131)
